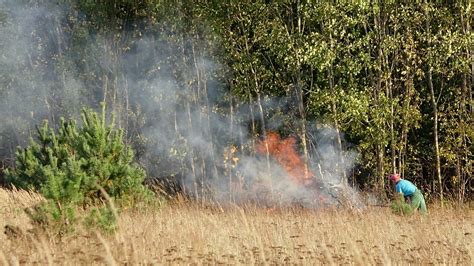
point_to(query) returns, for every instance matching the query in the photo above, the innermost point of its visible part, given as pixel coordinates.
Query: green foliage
(78, 167)
(102, 218)
(400, 206)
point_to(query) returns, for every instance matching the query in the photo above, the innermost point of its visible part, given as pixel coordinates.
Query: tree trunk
(404, 130)
(202, 83)
(340, 170)
(264, 130)
(300, 94)
(434, 106)
(191, 153)
(303, 130)
(253, 125)
(380, 150)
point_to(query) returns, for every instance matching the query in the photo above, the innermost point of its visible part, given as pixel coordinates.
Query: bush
(79, 168)
(400, 206)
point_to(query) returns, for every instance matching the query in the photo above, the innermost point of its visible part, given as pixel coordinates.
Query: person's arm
(400, 192)
(399, 189)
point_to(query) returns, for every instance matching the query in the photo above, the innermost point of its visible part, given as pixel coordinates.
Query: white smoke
(32, 87)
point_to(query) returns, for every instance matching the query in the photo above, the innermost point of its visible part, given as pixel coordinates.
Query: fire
(284, 152)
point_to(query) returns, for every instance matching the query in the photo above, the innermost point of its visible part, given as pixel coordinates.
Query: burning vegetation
(284, 152)
(279, 176)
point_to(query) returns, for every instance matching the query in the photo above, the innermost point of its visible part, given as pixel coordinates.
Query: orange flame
(283, 150)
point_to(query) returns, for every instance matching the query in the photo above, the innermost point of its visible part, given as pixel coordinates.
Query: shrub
(79, 167)
(400, 206)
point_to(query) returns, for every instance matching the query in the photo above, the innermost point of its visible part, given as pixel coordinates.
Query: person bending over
(410, 192)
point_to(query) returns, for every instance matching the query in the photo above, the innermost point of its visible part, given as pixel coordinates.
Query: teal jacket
(406, 188)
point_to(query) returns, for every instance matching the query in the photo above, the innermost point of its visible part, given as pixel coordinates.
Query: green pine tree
(79, 167)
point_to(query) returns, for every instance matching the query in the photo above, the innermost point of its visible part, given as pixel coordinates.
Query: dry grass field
(182, 233)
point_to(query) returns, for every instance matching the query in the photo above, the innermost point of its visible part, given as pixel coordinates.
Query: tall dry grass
(184, 233)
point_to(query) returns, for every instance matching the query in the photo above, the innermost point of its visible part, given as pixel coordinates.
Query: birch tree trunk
(434, 105)
(378, 88)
